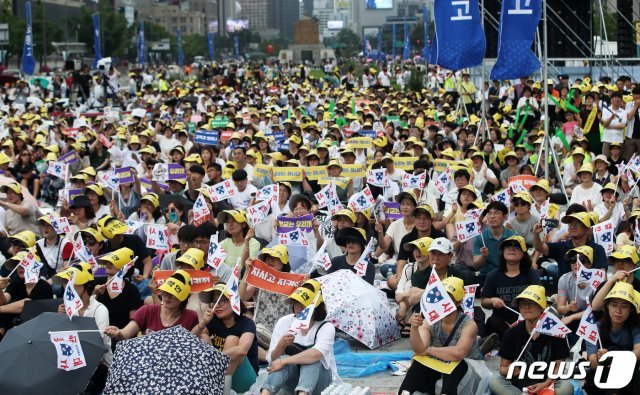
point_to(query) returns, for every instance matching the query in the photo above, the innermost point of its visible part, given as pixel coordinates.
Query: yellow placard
(361, 142)
(316, 172)
(553, 210)
(441, 164)
(436, 364)
(287, 174)
(341, 182)
(262, 170)
(404, 162)
(226, 172)
(353, 171)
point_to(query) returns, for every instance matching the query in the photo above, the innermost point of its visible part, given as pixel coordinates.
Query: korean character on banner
(201, 213)
(447, 307)
(433, 316)
(157, 237)
(593, 336)
(462, 8)
(518, 10)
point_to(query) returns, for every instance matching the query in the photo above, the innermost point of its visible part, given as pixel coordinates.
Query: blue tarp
(361, 364)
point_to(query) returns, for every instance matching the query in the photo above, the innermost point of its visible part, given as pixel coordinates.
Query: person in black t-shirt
(503, 284)
(233, 334)
(423, 227)
(16, 292)
(113, 231)
(544, 348)
(123, 304)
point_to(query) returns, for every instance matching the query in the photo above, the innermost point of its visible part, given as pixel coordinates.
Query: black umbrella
(33, 308)
(171, 361)
(29, 362)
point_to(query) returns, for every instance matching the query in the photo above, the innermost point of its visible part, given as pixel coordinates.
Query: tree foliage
(116, 36)
(346, 43)
(17, 27)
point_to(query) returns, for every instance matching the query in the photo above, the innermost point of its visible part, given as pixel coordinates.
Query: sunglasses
(90, 242)
(519, 203)
(172, 210)
(512, 246)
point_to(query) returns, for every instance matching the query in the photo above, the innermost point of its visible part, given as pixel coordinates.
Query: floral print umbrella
(171, 361)
(359, 309)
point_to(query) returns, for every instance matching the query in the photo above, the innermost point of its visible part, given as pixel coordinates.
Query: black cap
(80, 201)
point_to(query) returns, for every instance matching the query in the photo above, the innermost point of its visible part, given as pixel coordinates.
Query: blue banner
(28, 60)
(393, 40)
(518, 24)
(405, 51)
(179, 39)
(380, 44)
(141, 49)
(212, 53)
(367, 133)
(207, 137)
(425, 20)
(236, 46)
(365, 50)
(277, 136)
(97, 52)
(461, 41)
(283, 146)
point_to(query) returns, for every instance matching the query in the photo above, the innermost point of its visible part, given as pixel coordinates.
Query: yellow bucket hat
(119, 258)
(278, 251)
(305, 296)
(626, 252)
(178, 285)
(82, 273)
(421, 244)
(110, 226)
(27, 237)
(90, 171)
(95, 233)
(542, 184)
(193, 257)
(534, 293)
(585, 251)
(14, 186)
(624, 291)
(522, 195)
(455, 287)
(238, 215)
(584, 218)
(95, 188)
(518, 239)
(345, 212)
(151, 198)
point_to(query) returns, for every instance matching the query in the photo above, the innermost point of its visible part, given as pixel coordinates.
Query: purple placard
(125, 175)
(69, 158)
(177, 172)
(391, 210)
(288, 224)
(72, 193)
(146, 183)
(100, 271)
